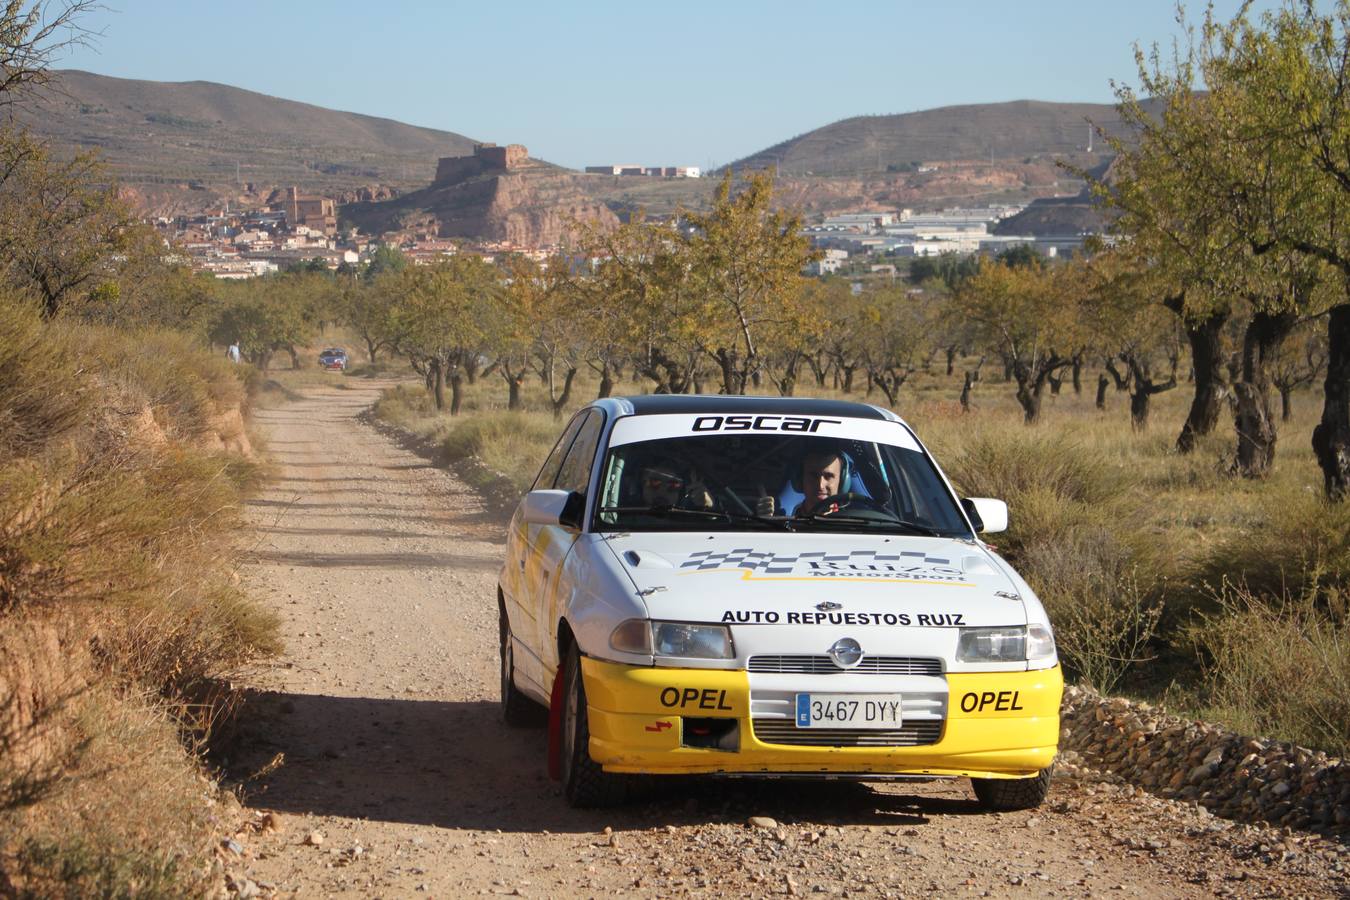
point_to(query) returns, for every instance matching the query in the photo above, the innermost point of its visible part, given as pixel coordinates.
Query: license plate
(849, 710)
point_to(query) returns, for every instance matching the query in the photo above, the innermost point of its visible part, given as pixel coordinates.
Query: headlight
(632, 636)
(1040, 642)
(992, 644)
(694, 641)
(672, 639)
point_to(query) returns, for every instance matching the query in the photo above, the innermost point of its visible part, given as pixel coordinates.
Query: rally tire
(518, 710)
(1011, 794)
(585, 783)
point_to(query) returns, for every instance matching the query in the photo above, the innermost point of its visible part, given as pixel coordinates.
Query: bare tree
(32, 34)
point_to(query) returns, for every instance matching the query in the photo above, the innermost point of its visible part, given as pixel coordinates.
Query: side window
(575, 473)
(549, 472)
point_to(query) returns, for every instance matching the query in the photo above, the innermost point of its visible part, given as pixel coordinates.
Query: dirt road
(384, 709)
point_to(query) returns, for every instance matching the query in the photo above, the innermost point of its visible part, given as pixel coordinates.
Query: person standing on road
(232, 352)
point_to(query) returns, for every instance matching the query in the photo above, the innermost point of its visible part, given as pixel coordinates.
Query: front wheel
(1011, 794)
(585, 782)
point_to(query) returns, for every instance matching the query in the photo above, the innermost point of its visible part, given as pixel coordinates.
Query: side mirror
(986, 514)
(563, 508)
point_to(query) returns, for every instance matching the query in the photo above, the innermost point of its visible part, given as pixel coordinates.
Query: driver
(664, 484)
(822, 477)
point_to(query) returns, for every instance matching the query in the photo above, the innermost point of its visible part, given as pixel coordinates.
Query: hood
(838, 579)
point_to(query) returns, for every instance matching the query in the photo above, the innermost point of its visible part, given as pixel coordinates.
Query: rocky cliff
(522, 201)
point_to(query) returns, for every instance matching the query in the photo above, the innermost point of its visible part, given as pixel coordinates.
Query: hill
(868, 145)
(158, 136)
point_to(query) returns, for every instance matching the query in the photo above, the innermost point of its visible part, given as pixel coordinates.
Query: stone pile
(1234, 776)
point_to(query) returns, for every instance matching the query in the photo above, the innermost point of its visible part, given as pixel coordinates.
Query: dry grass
(1277, 664)
(116, 550)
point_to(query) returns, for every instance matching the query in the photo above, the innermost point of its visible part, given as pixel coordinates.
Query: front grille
(785, 731)
(823, 665)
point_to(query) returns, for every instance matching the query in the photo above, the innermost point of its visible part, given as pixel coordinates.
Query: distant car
(334, 358)
(769, 587)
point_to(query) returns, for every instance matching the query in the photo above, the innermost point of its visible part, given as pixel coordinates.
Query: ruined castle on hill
(498, 194)
(486, 159)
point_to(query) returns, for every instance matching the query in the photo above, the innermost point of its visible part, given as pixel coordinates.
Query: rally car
(333, 359)
(750, 586)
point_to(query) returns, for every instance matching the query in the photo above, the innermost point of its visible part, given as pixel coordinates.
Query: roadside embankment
(123, 460)
(1232, 775)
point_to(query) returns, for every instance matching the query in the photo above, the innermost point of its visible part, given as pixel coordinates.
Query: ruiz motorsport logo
(907, 565)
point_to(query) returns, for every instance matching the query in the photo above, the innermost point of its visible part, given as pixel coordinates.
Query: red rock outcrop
(498, 194)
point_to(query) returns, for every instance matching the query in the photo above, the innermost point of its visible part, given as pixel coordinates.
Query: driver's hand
(764, 505)
(698, 495)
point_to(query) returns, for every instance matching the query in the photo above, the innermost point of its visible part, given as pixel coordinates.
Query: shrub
(1299, 547)
(1278, 665)
(1078, 544)
(117, 607)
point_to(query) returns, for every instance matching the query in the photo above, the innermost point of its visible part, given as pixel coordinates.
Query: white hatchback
(750, 586)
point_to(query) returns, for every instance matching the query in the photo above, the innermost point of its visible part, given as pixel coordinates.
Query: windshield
(754, 482)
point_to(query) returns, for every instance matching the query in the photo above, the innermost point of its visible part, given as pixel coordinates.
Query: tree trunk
(1255, 425)
(1078, 375)
(1102, 384)
(951, 360)
(295, 356)
(456, 391)
(566, 394)
(1206, 340)
(370, 349)
(1029, 396)
(471, 367)
(438, 384)
(965, 392)
(1139, 408)
(513, 392)
(1331, 437)
(846, 384)
(726, 359)
(1055, 385)
(606, 383)
(1286, 407)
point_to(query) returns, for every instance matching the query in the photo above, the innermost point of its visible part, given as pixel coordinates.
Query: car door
(552, 543)
(521, 589)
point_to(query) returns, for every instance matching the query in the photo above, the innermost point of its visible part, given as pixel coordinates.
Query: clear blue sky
(667, 83)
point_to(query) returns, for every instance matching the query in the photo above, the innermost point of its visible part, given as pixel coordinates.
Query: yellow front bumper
(998, 725)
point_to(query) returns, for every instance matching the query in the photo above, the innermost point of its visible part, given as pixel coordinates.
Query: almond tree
(1284, 83)
(896, 330)
(441, 320)
(1028, 314)
(1170, 226)
(61, 221)
(745, 262)
(642, 292)
(1127, 326)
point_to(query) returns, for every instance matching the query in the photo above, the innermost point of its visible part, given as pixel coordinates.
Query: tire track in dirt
(384, 568)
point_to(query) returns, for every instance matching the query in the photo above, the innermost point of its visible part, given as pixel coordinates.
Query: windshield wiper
(889, 522)
(678, 511)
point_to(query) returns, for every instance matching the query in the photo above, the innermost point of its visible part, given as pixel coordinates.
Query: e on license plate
(849, 710)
